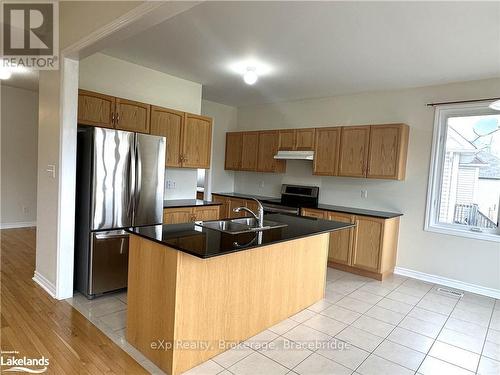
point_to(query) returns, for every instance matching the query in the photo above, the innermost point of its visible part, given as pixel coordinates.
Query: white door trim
(131, 22)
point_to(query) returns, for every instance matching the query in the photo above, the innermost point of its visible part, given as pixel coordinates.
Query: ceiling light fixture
(250, 76)
(495, 105)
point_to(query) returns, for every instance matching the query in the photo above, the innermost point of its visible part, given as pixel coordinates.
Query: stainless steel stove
(293, 198)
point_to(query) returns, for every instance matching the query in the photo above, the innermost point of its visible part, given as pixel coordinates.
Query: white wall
(112, 76)
(225, 119)
(468, 260)
(19, 137)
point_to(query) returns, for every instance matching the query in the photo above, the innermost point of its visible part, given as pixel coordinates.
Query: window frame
(438, 151)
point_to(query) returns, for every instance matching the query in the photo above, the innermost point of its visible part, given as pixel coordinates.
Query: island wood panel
(249, 151)
(305, 139)
(234, 203)
(132, 116)
(168, 123)
(388, 151)
(176, 296)
(233, 151)
(326, 154)
(151, 298)
(96, 109)
(196, 141)
(353, 156)
(341, 241)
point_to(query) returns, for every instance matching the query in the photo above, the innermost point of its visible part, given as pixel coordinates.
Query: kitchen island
(194, 292)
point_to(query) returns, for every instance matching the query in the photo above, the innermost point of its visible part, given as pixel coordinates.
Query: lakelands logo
(30, 35)
(22, 364)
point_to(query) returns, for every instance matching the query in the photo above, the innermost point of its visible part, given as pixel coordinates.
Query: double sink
(240, 225)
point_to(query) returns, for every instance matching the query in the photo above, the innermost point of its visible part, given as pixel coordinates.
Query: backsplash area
(380, 194)
(180, 183)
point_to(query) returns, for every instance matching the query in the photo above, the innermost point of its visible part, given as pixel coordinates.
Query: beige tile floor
(362, 326)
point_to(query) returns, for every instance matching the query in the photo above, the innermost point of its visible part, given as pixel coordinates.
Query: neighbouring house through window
(464, 185)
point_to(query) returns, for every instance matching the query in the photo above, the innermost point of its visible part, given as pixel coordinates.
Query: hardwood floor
(35, 324)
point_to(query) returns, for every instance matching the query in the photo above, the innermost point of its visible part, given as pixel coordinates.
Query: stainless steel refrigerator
(120, 184)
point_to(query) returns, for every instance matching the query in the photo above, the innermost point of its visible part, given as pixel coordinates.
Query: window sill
(484, 236)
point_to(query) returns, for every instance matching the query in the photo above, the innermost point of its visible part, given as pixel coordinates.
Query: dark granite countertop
(207, 243)
(173, 203)
(320, 206)
(359, 211)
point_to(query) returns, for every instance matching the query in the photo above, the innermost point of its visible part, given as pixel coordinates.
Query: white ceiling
(319, 49)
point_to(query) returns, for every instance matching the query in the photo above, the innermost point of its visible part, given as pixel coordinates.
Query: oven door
(276, 209)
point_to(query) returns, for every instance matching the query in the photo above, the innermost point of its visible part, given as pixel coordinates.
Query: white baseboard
(19, 224)
(452, 283)
(45, 284)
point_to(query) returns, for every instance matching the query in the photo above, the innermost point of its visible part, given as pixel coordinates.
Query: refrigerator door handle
(138, 177)
(132, 177)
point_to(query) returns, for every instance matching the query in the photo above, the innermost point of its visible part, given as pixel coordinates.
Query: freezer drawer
(108, 269)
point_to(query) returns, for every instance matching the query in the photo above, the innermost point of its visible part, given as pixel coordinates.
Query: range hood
(295, 155)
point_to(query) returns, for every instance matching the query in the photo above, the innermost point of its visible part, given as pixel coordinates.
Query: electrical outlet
(364, 194)
(261, 184)
(170, 184)
(26, 210)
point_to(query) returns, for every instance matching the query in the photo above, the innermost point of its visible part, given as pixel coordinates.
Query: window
(464, 181)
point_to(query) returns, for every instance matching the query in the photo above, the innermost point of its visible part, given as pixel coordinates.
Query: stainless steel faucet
(259, 216)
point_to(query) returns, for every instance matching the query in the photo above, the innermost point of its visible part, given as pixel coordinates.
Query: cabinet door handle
(113, 118)
(117, 118)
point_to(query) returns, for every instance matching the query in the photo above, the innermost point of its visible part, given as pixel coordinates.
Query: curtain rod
(462, 101)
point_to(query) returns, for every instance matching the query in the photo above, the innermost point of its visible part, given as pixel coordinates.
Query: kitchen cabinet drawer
(311, 212)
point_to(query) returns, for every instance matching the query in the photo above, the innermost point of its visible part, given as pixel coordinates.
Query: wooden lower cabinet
(189, 214)
(368, 249)
(229, 203)
(341, 242)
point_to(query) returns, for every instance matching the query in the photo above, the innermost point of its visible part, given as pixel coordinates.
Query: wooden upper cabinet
(168, 123)
(388, 150)
(341, 241)
(287, 139)
(367, 246)
(304, 140)
(249, 151)
(233, 151)
(268, 147)
(296, 140)
(353, 157)
(326, 153)
(96, 109)
(196, 141)
(132, 116)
